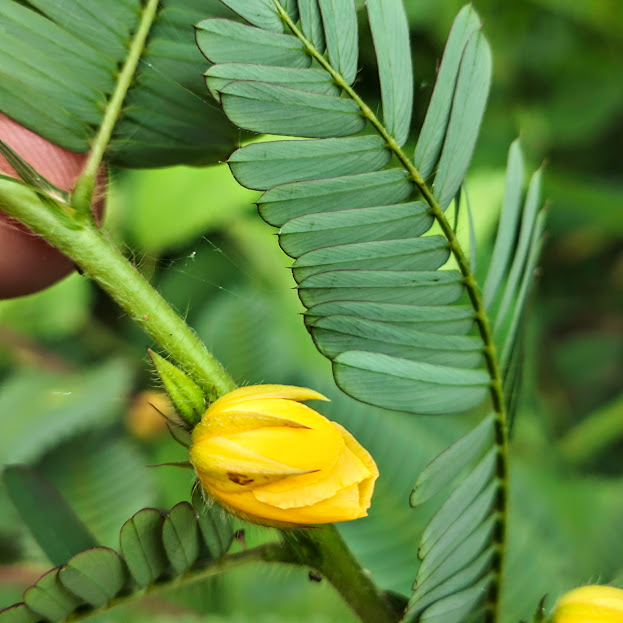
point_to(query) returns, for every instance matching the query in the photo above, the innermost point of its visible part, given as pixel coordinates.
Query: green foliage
(347, 267)
(153, 548)
(148, 203)
(94, 576)
(180, 536)
(55, 407)
(141, 548)
(70, 53)
(563, 527)
(106, 471)
(456, 547)
(343, 256)
(59, 532)
(57, 312)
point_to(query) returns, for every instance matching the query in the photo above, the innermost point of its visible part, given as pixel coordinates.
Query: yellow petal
(316, 446)
(366, 486)
(309, 489)
(341, 507)
(227, 465)
(222, 422)
(590, 604)
(243, 394)
(586, 614)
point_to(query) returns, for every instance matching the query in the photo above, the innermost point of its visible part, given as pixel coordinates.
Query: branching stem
(482, 320)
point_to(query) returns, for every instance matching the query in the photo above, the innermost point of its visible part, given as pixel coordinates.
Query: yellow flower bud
(590, 604)
(272, 460)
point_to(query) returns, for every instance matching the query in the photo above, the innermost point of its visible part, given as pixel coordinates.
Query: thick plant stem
(480, 314)
(324, 550)
(100, 260)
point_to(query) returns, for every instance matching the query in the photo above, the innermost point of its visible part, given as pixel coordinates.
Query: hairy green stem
(99, 259)
(83, 191)
(482, 320)
(324, 550)
(272, 552)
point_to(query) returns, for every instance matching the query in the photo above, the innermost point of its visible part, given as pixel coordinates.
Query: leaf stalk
(83, 191)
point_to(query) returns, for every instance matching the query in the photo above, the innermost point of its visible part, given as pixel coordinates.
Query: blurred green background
(73, 368)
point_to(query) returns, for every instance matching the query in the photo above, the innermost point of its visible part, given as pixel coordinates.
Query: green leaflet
(19, 613)
(390, 31)
(406, 254)
(141, 546)
(264, 165)
(271, 108)
(337, 334)
(314, 80)
(455, 608)
(224, 41)
(445, 467)
(214, 523)
(94, 576)
(458, 502)
(262, 13)
(526, 236)
(437, 320)
(393, 222)
(50, 599)
(468, 105)
(403, 287)
(339, 18)
(400, 384)
(180, 536)
(59, 532)
(468, 550)
(430, 141)
(311, 23)
(69, 54)
(508, 222)
(511, 336)
(422, 598)
(282, 203)
(442, 549)
(291, 6)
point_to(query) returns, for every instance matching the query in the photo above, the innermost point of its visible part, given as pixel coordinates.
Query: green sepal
(539, 614)
(187, 397)
(30, 175)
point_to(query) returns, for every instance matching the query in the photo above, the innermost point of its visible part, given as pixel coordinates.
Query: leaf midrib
(481, 317)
